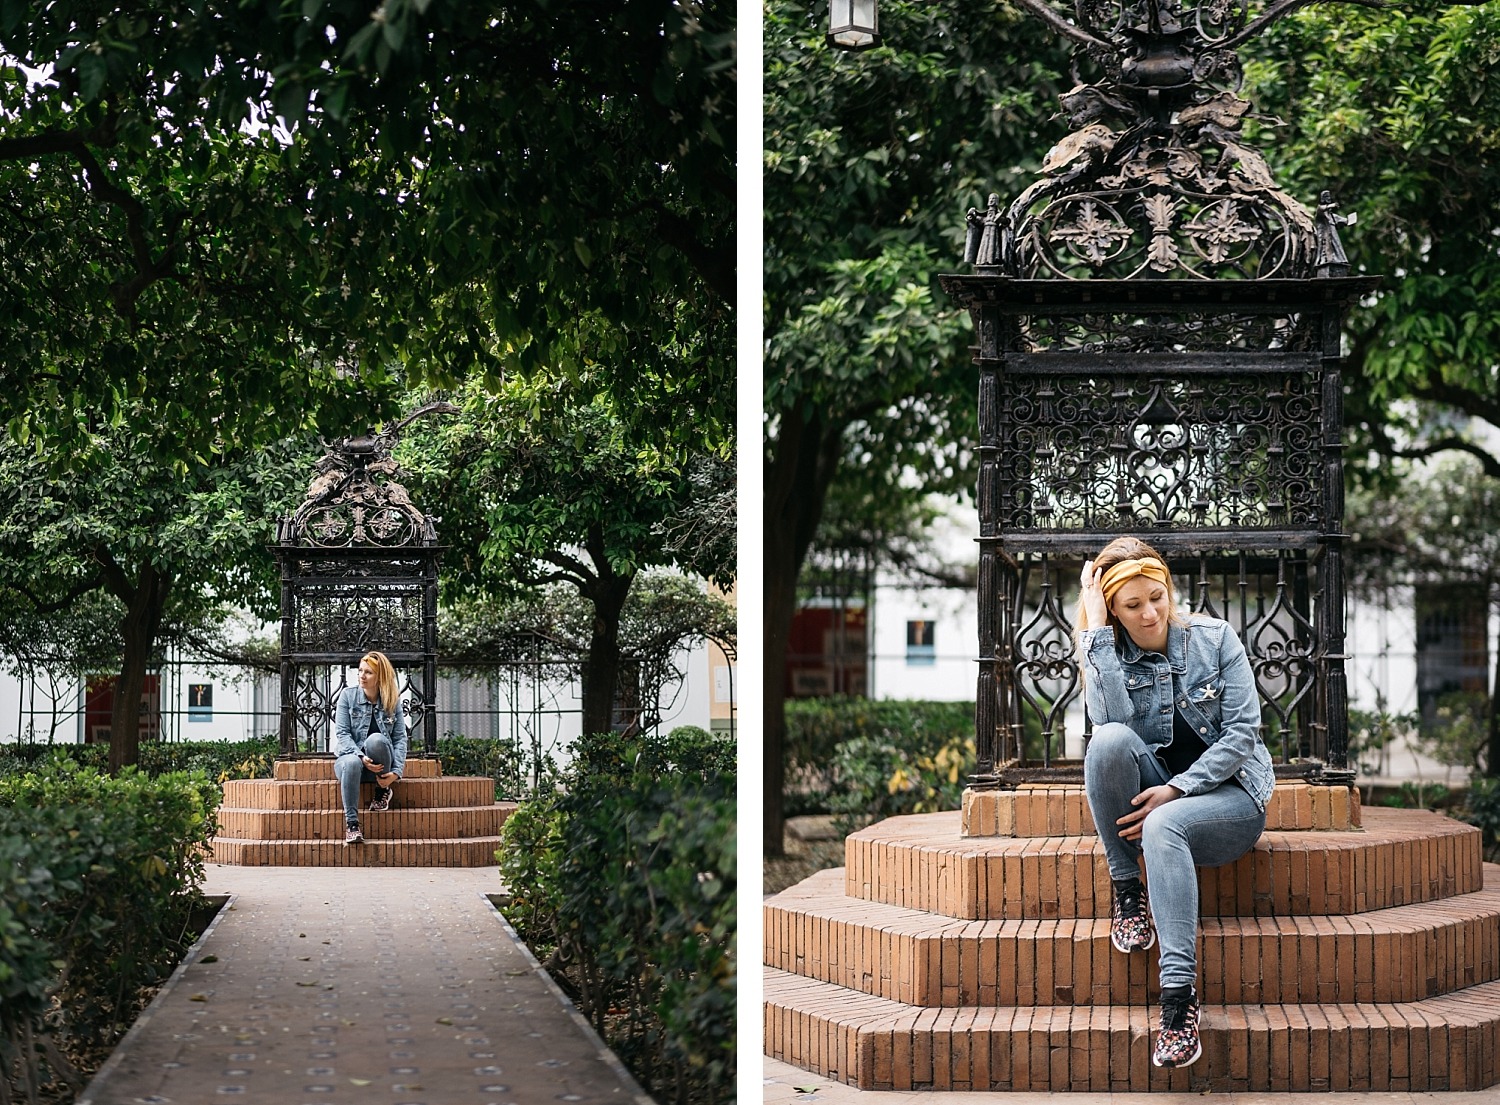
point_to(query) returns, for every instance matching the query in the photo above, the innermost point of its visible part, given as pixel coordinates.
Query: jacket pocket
(1142, 692)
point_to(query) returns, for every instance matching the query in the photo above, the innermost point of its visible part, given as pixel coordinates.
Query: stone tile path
(398, 986)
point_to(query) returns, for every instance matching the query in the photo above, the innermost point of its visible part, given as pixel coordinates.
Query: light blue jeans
(351, 771)
(1200, 830)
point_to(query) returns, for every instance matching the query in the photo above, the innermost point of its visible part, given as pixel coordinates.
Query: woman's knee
(1165, 827)
(1112, 742)
(348, 764)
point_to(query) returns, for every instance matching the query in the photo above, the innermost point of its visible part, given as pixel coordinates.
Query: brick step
(323, 793)
(473, 852)
(1442, 1043)
(1401, 954)
(1057, 809)
(321, 767)
(1399, 857)
(394, 823)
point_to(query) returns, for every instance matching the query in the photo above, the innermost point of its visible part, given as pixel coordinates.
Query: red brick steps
(296, 819)
(1442, 1043)
(1399, 857)
(1365, 956)
(927, 959)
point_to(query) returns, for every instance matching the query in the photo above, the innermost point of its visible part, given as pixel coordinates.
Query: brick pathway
(398, 986)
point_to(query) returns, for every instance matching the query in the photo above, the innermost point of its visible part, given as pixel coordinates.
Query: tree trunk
(601, 668)
(802, 464)
(144, 606)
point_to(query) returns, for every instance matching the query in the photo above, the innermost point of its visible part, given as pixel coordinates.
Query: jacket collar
(1132, 653)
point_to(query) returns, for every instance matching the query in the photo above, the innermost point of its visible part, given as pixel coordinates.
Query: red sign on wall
(99, 705)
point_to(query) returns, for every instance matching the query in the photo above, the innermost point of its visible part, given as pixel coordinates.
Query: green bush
(101, 877)
(219, 760)
(867, 758)
(1482, 806)
(624, 881)
(504, 760)
(815, 727)
(878, 778)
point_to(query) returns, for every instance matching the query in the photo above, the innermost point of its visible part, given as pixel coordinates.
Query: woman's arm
(1103, 679)
(398, 741)
(343, 734)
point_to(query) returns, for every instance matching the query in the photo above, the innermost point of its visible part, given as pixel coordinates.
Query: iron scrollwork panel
(1178, 332)
(1272, 611)
(358, 620)
(1127, 454)
(1268, 605)
(1043, 666)
(314, 705)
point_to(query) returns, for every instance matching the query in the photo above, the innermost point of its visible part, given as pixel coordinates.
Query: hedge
(623, 881)
(99, 880)
(864, 759)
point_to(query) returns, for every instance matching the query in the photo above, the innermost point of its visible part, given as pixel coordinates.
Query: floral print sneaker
(1130, 927)
(1177, 1043)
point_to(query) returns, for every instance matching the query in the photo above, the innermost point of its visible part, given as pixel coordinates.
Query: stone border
(117, 1056)
(610, 1059)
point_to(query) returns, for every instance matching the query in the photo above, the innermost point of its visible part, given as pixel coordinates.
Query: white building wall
(541, 716)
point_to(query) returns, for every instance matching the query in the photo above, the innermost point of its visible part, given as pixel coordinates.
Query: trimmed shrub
(101, 877)
(624, 883)
(218, 760)
(513, 767)
(877, 779)
(869, 758)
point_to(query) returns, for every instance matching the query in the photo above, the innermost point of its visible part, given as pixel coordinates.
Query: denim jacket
(1206, 675)
(351, 724)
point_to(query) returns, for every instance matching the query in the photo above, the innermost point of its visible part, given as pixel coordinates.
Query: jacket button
(1203, 728)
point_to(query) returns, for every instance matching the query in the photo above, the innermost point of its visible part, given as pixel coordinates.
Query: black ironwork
(358, 565)
(1157, 333)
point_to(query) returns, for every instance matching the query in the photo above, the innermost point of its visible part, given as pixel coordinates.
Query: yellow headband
(1119, 574)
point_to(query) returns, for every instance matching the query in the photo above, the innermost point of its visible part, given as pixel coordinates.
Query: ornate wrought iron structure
(1157, 343)
(358, 564)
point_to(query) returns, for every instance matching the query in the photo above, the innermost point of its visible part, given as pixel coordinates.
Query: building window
(919, 649)
(1452, 643)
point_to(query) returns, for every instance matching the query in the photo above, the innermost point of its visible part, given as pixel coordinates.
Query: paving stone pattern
(401, 986)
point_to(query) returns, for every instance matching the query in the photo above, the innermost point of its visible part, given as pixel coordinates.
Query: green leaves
(1395, 113)
(628, 871)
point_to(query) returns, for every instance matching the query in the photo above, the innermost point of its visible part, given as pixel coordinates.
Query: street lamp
(852, 24)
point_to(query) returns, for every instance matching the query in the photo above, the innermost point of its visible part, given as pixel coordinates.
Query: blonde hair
(386, 691)
(1118, 551)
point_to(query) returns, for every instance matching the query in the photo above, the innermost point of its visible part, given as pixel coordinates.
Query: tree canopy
(226, 223)
(1397, 112)
(870, 162)
(158, 540)
(544, 482)
(447, 190)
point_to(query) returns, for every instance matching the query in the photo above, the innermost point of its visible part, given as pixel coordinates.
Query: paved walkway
(397, 986)
(785, 1084)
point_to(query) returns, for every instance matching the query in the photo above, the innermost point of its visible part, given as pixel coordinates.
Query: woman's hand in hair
(1094, 607)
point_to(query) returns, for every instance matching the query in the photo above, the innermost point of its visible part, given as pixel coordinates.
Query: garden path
(327, 985)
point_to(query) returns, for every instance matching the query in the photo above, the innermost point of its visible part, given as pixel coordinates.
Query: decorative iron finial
(1330, 259)
(1155, 180)
(354, 497)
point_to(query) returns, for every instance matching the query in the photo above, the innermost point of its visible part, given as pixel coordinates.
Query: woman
(1175, 770)
(369, 739)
